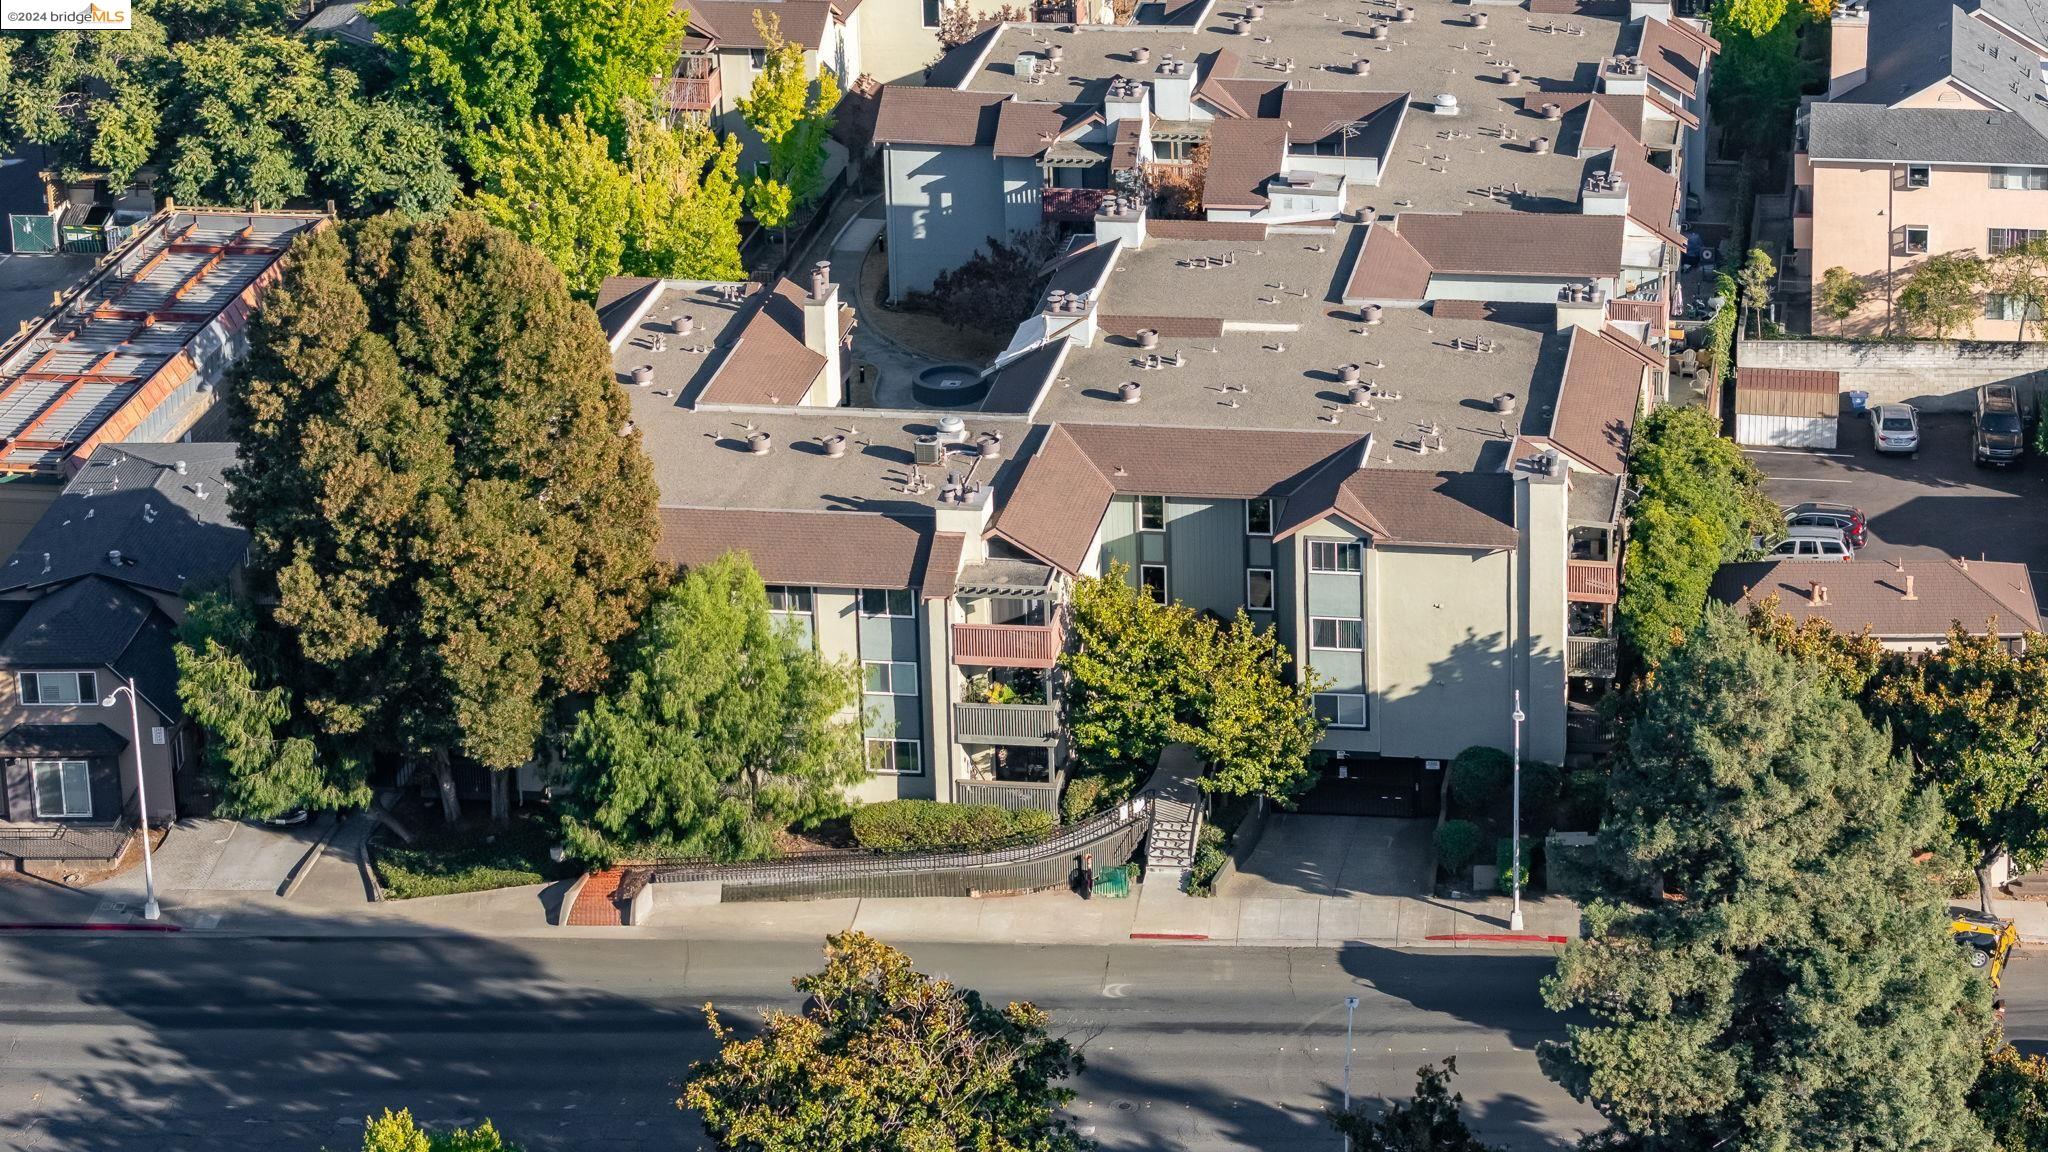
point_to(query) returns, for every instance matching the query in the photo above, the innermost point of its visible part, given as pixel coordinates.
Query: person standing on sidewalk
(1085, 880)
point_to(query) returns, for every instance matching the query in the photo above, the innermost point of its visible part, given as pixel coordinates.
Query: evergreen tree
(1434, 1121)
(1770, 968)
(441, 486)
(720, 731)
(885, 1057)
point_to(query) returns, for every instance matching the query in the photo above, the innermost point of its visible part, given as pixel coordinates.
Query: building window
(887, 602)
(1151, 513)
(2024, 179)
(931, 13)
(784, 598)
(1152, 578)
(1258, 589)
(1916, 238)
(63, 788)
(59, 688)
(2001, 239)
(1336, 633)
(1258, 517)
(2000, 307)
(889, 677)
(757, 58)
(1918, 175)
(895, 758)
(1341, 709)
(1333, 556)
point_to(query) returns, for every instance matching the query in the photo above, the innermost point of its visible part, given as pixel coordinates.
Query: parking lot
(1936, 502)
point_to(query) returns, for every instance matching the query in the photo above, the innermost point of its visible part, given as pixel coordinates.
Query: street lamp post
(1515, 857)
(150, 911)
(1350, 1011)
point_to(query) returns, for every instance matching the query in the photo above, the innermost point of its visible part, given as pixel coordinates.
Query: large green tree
(721, 729)
(399, 1132)
(1944, 293)
(261, 758)
(793, 115)
(683, 212)
(1143, 675)
(1769, 969)
(441, 486)
(887, 1059)
(94, 98)
(1698, 503)
(2011, 1098)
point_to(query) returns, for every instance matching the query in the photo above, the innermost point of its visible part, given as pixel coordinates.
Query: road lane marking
(1797, 452)
(1807, 480)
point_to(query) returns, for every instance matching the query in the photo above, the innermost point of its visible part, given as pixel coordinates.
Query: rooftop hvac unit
(1027, 64)
(952, 430)
(928, 452)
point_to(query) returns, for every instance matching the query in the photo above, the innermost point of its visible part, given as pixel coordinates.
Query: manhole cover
(1124, 1105)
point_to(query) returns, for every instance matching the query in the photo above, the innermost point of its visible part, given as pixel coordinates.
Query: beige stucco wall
(1441, 669)
(1856, 211)
(1848, 54)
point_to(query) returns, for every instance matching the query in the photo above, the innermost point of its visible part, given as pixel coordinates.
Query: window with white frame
(2020, 179)
(1333, 556)
(1341, 709)
(788, 598)
(1336, 633)
(2000, 239)
(1915, 237)
(1152, 578)
(1151, 513)
(1258, 589)
(1919, 175)
(1258, 517)
(931, 13)
(887, 602)
(889, 677)
(1998, 306)
(60, 688)
(757, 58)
(895, 757)
(63, 788)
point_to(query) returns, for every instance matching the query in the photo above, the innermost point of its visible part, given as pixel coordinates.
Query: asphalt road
(221, 1044)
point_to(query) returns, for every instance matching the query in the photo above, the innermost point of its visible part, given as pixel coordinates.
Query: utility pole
(1350, 1011)
(150, 910)
(1515, 859)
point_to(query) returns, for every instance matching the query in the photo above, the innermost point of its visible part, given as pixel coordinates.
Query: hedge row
(916, 825)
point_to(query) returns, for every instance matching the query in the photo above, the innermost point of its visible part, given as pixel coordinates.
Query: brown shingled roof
(1317, 113)
(1787, 392)
(730, 23)
(1387, 268)
(942, 566)
(943, 117)
(1205, 229)
(1026, 127)
(1057, 504)
(769, 363)
(829, 549)
(1168, 327)
(1404, 506)
(1871, 594)
(1516, 243)
(1597, 401)
(1672, 56)
(1243, 155)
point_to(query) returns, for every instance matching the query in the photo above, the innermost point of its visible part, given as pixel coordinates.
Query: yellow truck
(1987, 941)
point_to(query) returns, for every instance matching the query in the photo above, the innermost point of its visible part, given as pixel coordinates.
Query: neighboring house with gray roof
(1933, 138)
(91, 600)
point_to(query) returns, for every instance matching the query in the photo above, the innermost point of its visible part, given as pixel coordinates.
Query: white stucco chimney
(1581, 306)
(1125, 99)
(1120, 217)
(821, 331)
(1603, 194)
(1624, 76)
(1173, 90)
(1848, 47)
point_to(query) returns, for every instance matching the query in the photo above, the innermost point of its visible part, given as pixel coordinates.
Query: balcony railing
(1015, 795)
(1006, 645)
(692, 93)
(1592, 656)
(1032, 725)
(1592, 581)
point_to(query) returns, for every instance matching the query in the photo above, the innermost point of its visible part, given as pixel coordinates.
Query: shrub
(1583, 800)
(1502, 854)
(1541, 785)
(1082, 799)
(912, 825)
(1479, 776)
(1457, 845)
(1209, 860)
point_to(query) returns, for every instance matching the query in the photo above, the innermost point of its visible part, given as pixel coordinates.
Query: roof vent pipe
(1054, 53)
(1479, 19)
(821, 279)
(989, 445)
(181, 467)
(114, 557)
(1540, 146)
(952, 430)
(1504, 402)
(1347, 374)
(1148, 337)
(1361, 67)
(1360, 396)
(1511, 76)
(1909, 588)
(1255, 12)
(684, 324)
(1404, 14)
(1376, 32)
(759, 443)
(1141, 54)
(835, 446)
(1817, 592)
(1127, 393)
(1446, 104)
(1371, 313)
(1552, 112)
(643, 375)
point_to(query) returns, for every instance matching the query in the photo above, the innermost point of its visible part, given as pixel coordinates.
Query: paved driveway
(1935, 503)
(1307, 857)
(221, 856)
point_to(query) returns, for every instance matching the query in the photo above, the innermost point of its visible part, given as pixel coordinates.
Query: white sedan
(1895, 428)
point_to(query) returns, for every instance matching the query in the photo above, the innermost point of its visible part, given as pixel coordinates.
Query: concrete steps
(595, 906)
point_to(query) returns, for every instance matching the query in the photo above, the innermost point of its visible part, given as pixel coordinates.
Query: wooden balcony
(1592, 581)
(1591, 656)
(1006, 645)
(1032, 725)
(692, 93)
(1014, 795)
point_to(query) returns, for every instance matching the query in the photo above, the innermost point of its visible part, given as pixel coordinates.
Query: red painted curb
(1169, 935)
(90, 928)
(1502, 938)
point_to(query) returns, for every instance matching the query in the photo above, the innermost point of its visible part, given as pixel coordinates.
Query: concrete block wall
(1934, 375)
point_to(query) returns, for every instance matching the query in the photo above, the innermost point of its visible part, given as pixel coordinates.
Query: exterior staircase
(1176, 817)
(596, 905)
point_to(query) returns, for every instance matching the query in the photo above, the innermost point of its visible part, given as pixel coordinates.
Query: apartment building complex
(1379, 396)
(1933, 138)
